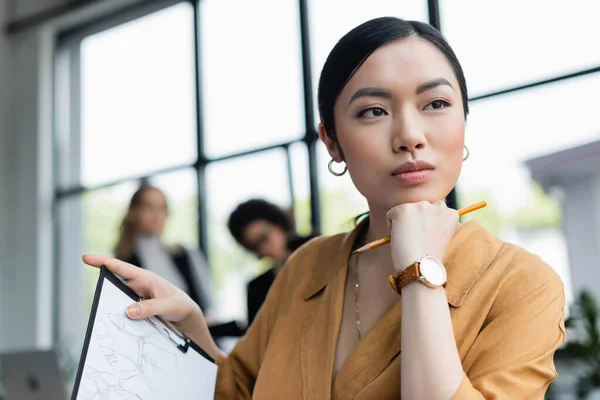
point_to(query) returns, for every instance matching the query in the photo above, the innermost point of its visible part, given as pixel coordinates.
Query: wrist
(194, 326)
(189, 325)
(416, 287)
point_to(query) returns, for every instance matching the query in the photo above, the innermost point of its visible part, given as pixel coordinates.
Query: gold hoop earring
(468, 153)
(333, 172)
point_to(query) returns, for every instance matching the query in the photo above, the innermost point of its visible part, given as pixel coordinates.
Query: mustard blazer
(506, 307)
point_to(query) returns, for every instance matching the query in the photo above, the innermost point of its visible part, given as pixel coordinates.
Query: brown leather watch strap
(409, 274)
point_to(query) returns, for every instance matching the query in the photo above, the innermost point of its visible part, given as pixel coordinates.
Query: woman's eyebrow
(371, 92)
(432, 84)
(386, 94)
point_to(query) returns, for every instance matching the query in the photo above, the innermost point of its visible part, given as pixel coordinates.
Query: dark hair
(255, 210)
(357, 45)
(125, 244)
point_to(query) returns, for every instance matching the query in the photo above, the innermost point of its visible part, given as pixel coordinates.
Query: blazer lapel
(320, 334)
(319, 340)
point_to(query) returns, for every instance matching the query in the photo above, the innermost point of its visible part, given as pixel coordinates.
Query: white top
(155, 257)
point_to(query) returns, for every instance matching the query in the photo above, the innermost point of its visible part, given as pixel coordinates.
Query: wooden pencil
(380, 242)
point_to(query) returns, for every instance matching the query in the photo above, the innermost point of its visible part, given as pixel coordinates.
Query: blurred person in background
(267, 231)
(140, 243)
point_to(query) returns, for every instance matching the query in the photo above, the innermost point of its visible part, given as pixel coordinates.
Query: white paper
(129, 359)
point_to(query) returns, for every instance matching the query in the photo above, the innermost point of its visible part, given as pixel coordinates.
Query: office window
(137, 97)
(504, 44)
(251, 74)
(301, 185)
(125, 109)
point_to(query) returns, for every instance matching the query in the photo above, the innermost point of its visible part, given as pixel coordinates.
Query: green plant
(585, 348)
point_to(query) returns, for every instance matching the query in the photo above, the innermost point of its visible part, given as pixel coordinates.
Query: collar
(469, 254)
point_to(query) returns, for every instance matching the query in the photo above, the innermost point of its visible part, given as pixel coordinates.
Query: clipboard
(147, 359)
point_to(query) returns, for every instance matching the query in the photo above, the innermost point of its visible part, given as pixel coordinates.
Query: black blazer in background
(257, 292)
(258, 288)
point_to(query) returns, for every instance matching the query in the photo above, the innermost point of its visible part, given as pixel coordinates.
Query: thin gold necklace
(356, 297)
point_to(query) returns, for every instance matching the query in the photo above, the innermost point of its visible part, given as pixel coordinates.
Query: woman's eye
(437, 105)
(373, 112)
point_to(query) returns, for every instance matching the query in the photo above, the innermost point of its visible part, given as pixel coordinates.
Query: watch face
(433, 271)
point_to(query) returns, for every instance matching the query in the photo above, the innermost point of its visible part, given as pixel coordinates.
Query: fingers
(118, 267)
(147, 308)
(170, 308)
(419, 208)
(388, 219)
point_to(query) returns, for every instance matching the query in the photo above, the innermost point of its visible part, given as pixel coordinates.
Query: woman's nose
(408, 135)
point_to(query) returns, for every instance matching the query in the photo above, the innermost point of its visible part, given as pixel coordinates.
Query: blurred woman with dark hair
(140, 243)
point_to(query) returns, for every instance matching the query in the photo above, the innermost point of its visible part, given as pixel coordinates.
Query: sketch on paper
(132, 360)
(129, 359)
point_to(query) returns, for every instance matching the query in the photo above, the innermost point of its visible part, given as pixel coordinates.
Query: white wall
(581, 215)
(26, 187)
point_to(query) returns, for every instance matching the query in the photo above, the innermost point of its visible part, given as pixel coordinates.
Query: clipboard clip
(167, 329)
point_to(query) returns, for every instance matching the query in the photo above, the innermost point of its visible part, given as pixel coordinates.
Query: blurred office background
(213, 101)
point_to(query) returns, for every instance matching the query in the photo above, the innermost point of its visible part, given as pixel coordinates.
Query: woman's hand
(419, 230)
(162, 298)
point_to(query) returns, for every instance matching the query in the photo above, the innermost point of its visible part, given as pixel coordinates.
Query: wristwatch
(428, 270)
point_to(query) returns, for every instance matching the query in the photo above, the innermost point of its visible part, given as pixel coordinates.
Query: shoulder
(512, 272)
(524, 271)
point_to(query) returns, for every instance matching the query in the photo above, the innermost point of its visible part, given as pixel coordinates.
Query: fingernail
(133, 311)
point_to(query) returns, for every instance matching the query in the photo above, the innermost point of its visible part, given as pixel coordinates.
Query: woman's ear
(332, 146)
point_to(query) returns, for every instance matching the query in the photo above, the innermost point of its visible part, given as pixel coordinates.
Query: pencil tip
(361, 249)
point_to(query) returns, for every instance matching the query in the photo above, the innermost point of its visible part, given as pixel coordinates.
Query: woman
(140, 243)
(265, 230)
(262, 228)
(393, 103)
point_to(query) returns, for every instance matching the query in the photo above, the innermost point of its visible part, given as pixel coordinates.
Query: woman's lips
(413, 177)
